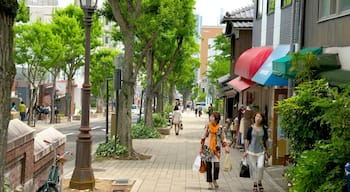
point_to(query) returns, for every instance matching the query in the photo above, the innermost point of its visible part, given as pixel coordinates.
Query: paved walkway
(170, 168)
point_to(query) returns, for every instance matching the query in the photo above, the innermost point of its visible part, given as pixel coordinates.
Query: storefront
(274, 90)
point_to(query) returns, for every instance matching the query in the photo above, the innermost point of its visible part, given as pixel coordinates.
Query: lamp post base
(85, 182)
(83, 176)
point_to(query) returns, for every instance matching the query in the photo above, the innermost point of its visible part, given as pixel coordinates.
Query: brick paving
(170, 168)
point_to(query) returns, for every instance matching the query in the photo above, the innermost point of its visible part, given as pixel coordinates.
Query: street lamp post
(83, 176)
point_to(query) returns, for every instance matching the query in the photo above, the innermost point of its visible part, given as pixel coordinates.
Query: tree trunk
(126, 95)
(100, 100)
(149, 94)
(171, 94)
(7, 75)
(69, 99)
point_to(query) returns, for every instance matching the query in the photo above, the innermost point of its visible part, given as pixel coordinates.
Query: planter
(61, 119)
(164, 130)
(76, 117)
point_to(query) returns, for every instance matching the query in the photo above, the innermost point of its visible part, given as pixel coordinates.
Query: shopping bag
(203, 167)
(197, 163)
(227, 162)
(244, 170)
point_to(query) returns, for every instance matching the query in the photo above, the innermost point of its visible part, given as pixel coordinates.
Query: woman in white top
(177, 118)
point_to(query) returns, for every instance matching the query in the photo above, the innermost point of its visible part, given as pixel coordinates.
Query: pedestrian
(210, 109)
(177, 118)
(22, 110)
(196, 111)
(13, 107)
(255, 148)
(212, 140)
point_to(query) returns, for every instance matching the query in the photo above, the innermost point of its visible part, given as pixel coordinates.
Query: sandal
(215, 184)
(210, 187)
(261, 188)
(255, 189)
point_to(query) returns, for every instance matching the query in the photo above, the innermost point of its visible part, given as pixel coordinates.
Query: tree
(8, 11)
(34, 45)
(68, 24)
(175, 25)
(127, 14)
(102, 68)
(220, 64)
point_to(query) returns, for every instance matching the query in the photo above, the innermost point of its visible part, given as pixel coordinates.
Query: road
(98, 132)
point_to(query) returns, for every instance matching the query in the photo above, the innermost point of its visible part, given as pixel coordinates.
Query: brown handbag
(203, 167)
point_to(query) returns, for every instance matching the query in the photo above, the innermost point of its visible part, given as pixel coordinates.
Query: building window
(270, 6)
(333, 8)
(285, 3)
(345, 5)
(259, 8)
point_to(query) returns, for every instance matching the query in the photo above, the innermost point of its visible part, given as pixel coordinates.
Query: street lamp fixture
(83, 176)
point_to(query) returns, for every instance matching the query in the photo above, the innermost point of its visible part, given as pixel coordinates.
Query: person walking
(22, 110)
(13, 107)
(212, 140)
(255, 148)
(177, 118)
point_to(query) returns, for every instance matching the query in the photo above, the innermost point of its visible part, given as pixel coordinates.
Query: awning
(249, 62)
(281, 67)
(336, 77)
(264, 75)
(240, 83)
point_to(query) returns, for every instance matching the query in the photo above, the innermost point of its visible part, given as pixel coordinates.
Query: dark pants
(23, 115)
(210, 171)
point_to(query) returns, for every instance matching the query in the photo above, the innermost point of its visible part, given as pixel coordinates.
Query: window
(345, 5)
(270, 6)
(333, 8)
(285, 3)
(259, 8)
(327, 8)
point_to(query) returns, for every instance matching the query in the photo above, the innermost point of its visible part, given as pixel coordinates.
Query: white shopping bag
(196, 164)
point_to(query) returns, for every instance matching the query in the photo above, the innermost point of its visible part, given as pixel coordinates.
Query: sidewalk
(170, 168)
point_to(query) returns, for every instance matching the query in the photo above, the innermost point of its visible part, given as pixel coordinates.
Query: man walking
(22, 110)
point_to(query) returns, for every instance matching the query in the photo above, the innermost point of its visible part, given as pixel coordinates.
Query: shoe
(215, 184)
(261, 188)
(255, 188)
(210, 187)
(177, 133)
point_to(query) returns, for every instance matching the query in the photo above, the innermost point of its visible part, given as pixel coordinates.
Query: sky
(209, 9)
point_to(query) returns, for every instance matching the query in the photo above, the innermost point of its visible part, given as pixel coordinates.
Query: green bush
(158, 120)
(107, 149)
(140, 131)
(322, 168)
(319, 134)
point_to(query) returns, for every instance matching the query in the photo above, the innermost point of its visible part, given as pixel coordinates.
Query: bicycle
(53, 180)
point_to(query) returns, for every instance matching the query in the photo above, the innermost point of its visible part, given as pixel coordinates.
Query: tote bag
(227, 163)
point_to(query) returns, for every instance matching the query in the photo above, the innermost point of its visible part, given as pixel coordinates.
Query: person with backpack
(212, 140)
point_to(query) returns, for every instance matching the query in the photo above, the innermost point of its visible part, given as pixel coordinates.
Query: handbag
(227, 162)
(203, 167)
(244, 170)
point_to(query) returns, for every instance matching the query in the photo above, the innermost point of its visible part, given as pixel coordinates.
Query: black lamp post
(83, 176)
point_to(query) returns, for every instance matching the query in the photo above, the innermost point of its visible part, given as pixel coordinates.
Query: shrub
(140, 131)
(107, 149)
(158, 120)
(320, 156)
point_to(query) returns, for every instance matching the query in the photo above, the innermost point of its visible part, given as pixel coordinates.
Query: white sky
(209, 9)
